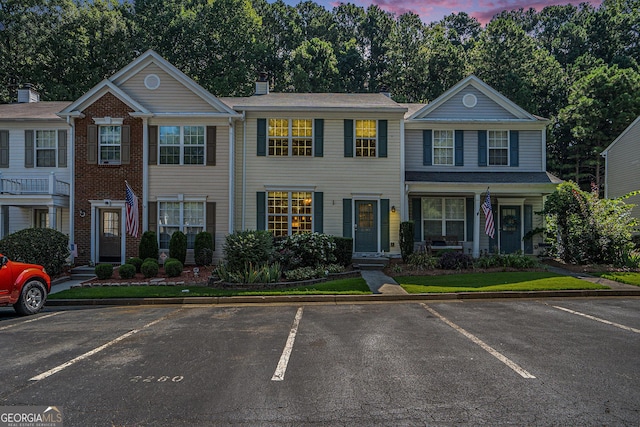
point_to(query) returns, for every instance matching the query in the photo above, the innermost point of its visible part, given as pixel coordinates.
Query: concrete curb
(346, 299)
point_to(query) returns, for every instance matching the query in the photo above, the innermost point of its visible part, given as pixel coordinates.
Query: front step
(370, 262)
(83, 272)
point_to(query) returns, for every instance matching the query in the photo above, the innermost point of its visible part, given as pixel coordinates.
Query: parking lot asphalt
(520, 362)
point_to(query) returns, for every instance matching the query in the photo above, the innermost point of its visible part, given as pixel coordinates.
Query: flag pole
(478, 213)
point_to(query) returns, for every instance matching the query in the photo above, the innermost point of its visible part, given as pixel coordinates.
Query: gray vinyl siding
(486, 108)
(623, 167)
(530, 152)
(170, 96)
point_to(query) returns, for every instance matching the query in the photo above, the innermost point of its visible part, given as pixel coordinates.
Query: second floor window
(290, 137)
(366, 138)
(46, 148)
(443, 147)
(109, 140)
(181, 145)
(498, 143)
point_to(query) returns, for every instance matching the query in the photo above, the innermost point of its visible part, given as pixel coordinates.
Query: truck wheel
(32, 298)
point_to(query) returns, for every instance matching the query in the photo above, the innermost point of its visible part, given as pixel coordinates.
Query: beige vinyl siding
(195, 181)
(170, 96)
(486, 108)
(623, 167)
(336, 176)
(530, 146)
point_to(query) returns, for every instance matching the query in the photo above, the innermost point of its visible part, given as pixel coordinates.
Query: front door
(366, 226)
(110, 229)
(510, 229)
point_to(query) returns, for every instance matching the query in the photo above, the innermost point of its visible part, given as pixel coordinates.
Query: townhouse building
(353, 165)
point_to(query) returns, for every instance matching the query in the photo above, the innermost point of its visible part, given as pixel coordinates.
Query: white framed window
(46, 148)
(289, 212)
(188, 217)
(181, 145)
(109, 142)
(443, 145)
(443, 216)
(366, 138)
(290, 137)
(498, 145)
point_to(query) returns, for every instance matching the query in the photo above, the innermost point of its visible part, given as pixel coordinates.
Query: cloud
(488, 9)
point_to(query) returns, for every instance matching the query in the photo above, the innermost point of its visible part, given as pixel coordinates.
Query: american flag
(489, 226)
(133, 225)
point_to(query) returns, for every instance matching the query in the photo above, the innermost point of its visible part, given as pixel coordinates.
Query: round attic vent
(469, 100)
(152, 82)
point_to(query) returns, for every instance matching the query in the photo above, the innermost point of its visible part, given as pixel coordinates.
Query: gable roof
(624, 132)
(485, 89)
(113, 83)
(28, 111)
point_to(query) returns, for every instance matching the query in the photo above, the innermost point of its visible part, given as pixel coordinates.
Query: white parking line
(485, 346)
(278, 375)
(35, 319)
(94, 351)
(597, 319)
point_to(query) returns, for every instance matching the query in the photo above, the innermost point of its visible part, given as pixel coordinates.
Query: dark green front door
(510, 229)
(366, 226)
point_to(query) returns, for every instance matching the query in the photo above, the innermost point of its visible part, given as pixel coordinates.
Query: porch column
(53, 218)
(476, 225)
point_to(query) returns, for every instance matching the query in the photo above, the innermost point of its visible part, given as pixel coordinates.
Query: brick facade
(99, 182)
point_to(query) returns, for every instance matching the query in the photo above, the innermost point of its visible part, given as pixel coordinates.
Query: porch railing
(50, 185)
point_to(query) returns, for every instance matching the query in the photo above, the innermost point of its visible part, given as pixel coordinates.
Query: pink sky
(435, 10)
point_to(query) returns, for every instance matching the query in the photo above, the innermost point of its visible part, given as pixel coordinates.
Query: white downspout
(404, 202)
(232, 136)
(72, 184)
(145, 174)
(244, 168)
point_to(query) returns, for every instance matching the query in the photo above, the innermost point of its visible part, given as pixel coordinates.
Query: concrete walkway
(589, 278)
(380, 283)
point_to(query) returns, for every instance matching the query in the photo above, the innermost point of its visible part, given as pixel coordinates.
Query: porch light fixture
(393, 209)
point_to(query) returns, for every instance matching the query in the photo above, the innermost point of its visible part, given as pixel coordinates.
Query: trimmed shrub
(149, 269)
(406, 239)
(178, 246)
(148, 245)
(455, 261)
(43, 246)
(203, 249)
(127, 271)
(305, 250)
(247, 248)
(136, 262)
(173, 268)
(422, 261)
(149, 259)
(344, 250)
(104, 271)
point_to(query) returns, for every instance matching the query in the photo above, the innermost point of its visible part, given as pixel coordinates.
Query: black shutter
(348, 139)
(262, 137)
(382, 138)
(29, 151)
(261, 210)
(459, 148)
(427, 147)
(153, 145)
(318, 143)
(514, 148)
(482, 148)
(211, 145)
(62, 148)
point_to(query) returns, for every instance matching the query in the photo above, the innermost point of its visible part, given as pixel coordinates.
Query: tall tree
(313, 67)
(376, 29)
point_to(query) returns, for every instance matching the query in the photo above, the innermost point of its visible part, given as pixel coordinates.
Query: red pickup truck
(24, 285)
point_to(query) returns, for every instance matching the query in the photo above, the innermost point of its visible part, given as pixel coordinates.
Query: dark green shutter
(262, 138)
(318, 211)
(528, 226)
(92, 144)
(28, 149)
(459, 147)
(125, 144)
(470, 219)
(482, 148)
(62, 148)
(153, 217)
(318, 132)
(4, 149)
(261, 210)
(347, 219)
(382, 138)
(416, 215)
(211, 222)
(211, 145)
(514, 148)
(384, 225)
(153, 145)
(348, 139)
(427, 147)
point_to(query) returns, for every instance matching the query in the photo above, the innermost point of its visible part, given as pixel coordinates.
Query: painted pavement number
(153, 379)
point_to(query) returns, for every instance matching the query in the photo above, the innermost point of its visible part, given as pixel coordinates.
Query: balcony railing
(50, 185)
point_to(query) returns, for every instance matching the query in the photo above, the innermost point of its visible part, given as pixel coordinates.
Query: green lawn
(506, 281)
(354, 286)
(623, 277)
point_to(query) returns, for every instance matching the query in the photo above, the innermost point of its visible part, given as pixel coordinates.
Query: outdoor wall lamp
(393, 209)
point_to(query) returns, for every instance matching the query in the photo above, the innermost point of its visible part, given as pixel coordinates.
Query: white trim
(624, 132)
(97, 92)
(96, 206)
(100, 121)
(290, 188)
